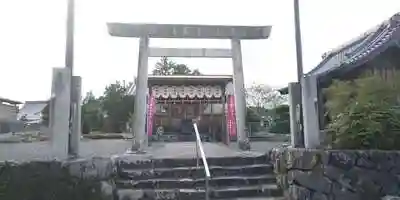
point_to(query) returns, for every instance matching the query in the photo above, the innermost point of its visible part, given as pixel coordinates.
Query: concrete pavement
(90, 148)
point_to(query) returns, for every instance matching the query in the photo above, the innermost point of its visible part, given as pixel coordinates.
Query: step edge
(211, 167)
(267, 176)
(220, 189)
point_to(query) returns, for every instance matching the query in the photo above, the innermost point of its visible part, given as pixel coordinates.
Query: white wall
(8, 111)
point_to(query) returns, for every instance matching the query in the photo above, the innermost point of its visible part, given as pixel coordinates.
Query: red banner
(231, 116)
(151, 110)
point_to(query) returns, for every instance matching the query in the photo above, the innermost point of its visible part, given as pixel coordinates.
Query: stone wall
(83, 179)
(337, 175)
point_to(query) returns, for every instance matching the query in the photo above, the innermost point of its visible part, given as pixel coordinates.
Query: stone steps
(257, 198)
(129, 163)
(188, 183)
(161, 179)
(194, 172)
(269, 190)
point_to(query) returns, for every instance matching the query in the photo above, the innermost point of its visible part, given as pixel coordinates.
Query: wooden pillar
(294, 100)
(211, 125)
(169, 114)
(224, 131)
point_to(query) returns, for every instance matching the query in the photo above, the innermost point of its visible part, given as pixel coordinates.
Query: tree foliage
(92, 116)
(252, 115)
(281, 119)
(114, 108)
(364, 113)
(167, 67)
(262, 101)
(45, 115)
(260, 96)
(116, 105)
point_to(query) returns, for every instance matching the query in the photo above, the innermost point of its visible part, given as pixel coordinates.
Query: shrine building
(175, 102)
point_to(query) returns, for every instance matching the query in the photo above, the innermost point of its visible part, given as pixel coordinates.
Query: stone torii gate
(146, 31)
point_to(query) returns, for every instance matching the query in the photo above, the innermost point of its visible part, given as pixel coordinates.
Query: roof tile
(361, 48)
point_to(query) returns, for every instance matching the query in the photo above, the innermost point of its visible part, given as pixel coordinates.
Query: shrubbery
(281, 120)
(364, 113)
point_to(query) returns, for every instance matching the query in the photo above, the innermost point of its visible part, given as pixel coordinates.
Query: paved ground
(41, 150)
(188, 150)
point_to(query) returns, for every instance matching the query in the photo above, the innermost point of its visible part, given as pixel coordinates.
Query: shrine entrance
(181, 99)
(146, 31)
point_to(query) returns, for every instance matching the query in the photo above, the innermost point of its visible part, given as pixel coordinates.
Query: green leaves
(281, 120)
(364, 113)
(116, 104)
(167, 67)
(109, 112)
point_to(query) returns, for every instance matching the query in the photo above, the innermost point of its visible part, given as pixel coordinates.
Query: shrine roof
(362, 48)
(189, 79)
(9, 101)
(359, 50)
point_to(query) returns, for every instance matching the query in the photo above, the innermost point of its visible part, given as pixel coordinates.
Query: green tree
(167, 67)
(260, 96)
(252, 115)
(92, 117)
(46, 114)
(364, 113)
(262, 101)
(107, 113)
(116, 104)
(280, 119)
(196, 72)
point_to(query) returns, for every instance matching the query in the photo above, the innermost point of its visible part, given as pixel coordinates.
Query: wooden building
(377, 50)
(179, 100)
(8, 116)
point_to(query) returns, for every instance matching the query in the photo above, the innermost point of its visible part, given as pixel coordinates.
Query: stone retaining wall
(337, 175)
(82, 179)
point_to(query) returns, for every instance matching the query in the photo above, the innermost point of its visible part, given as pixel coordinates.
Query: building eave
(199, 80)
(284, 91)
(362, 48)
(37, 102)
(185, 80)
(5, 100)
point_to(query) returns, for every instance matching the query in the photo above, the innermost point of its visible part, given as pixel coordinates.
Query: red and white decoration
(192, 91)
(231, 116)
(151, 110)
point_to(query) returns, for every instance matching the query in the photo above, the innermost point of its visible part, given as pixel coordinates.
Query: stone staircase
(231, 178)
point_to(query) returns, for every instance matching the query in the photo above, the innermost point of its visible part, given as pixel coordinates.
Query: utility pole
(75, 108)
(299, 58)
(69, 46)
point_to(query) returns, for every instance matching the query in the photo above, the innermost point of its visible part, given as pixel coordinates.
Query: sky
(32, 38)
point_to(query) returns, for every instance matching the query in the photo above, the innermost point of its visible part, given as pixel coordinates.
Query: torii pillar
(146, 31)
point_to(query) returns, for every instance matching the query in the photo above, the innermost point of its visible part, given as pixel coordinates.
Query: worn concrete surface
(90, 148)
(188, 150)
